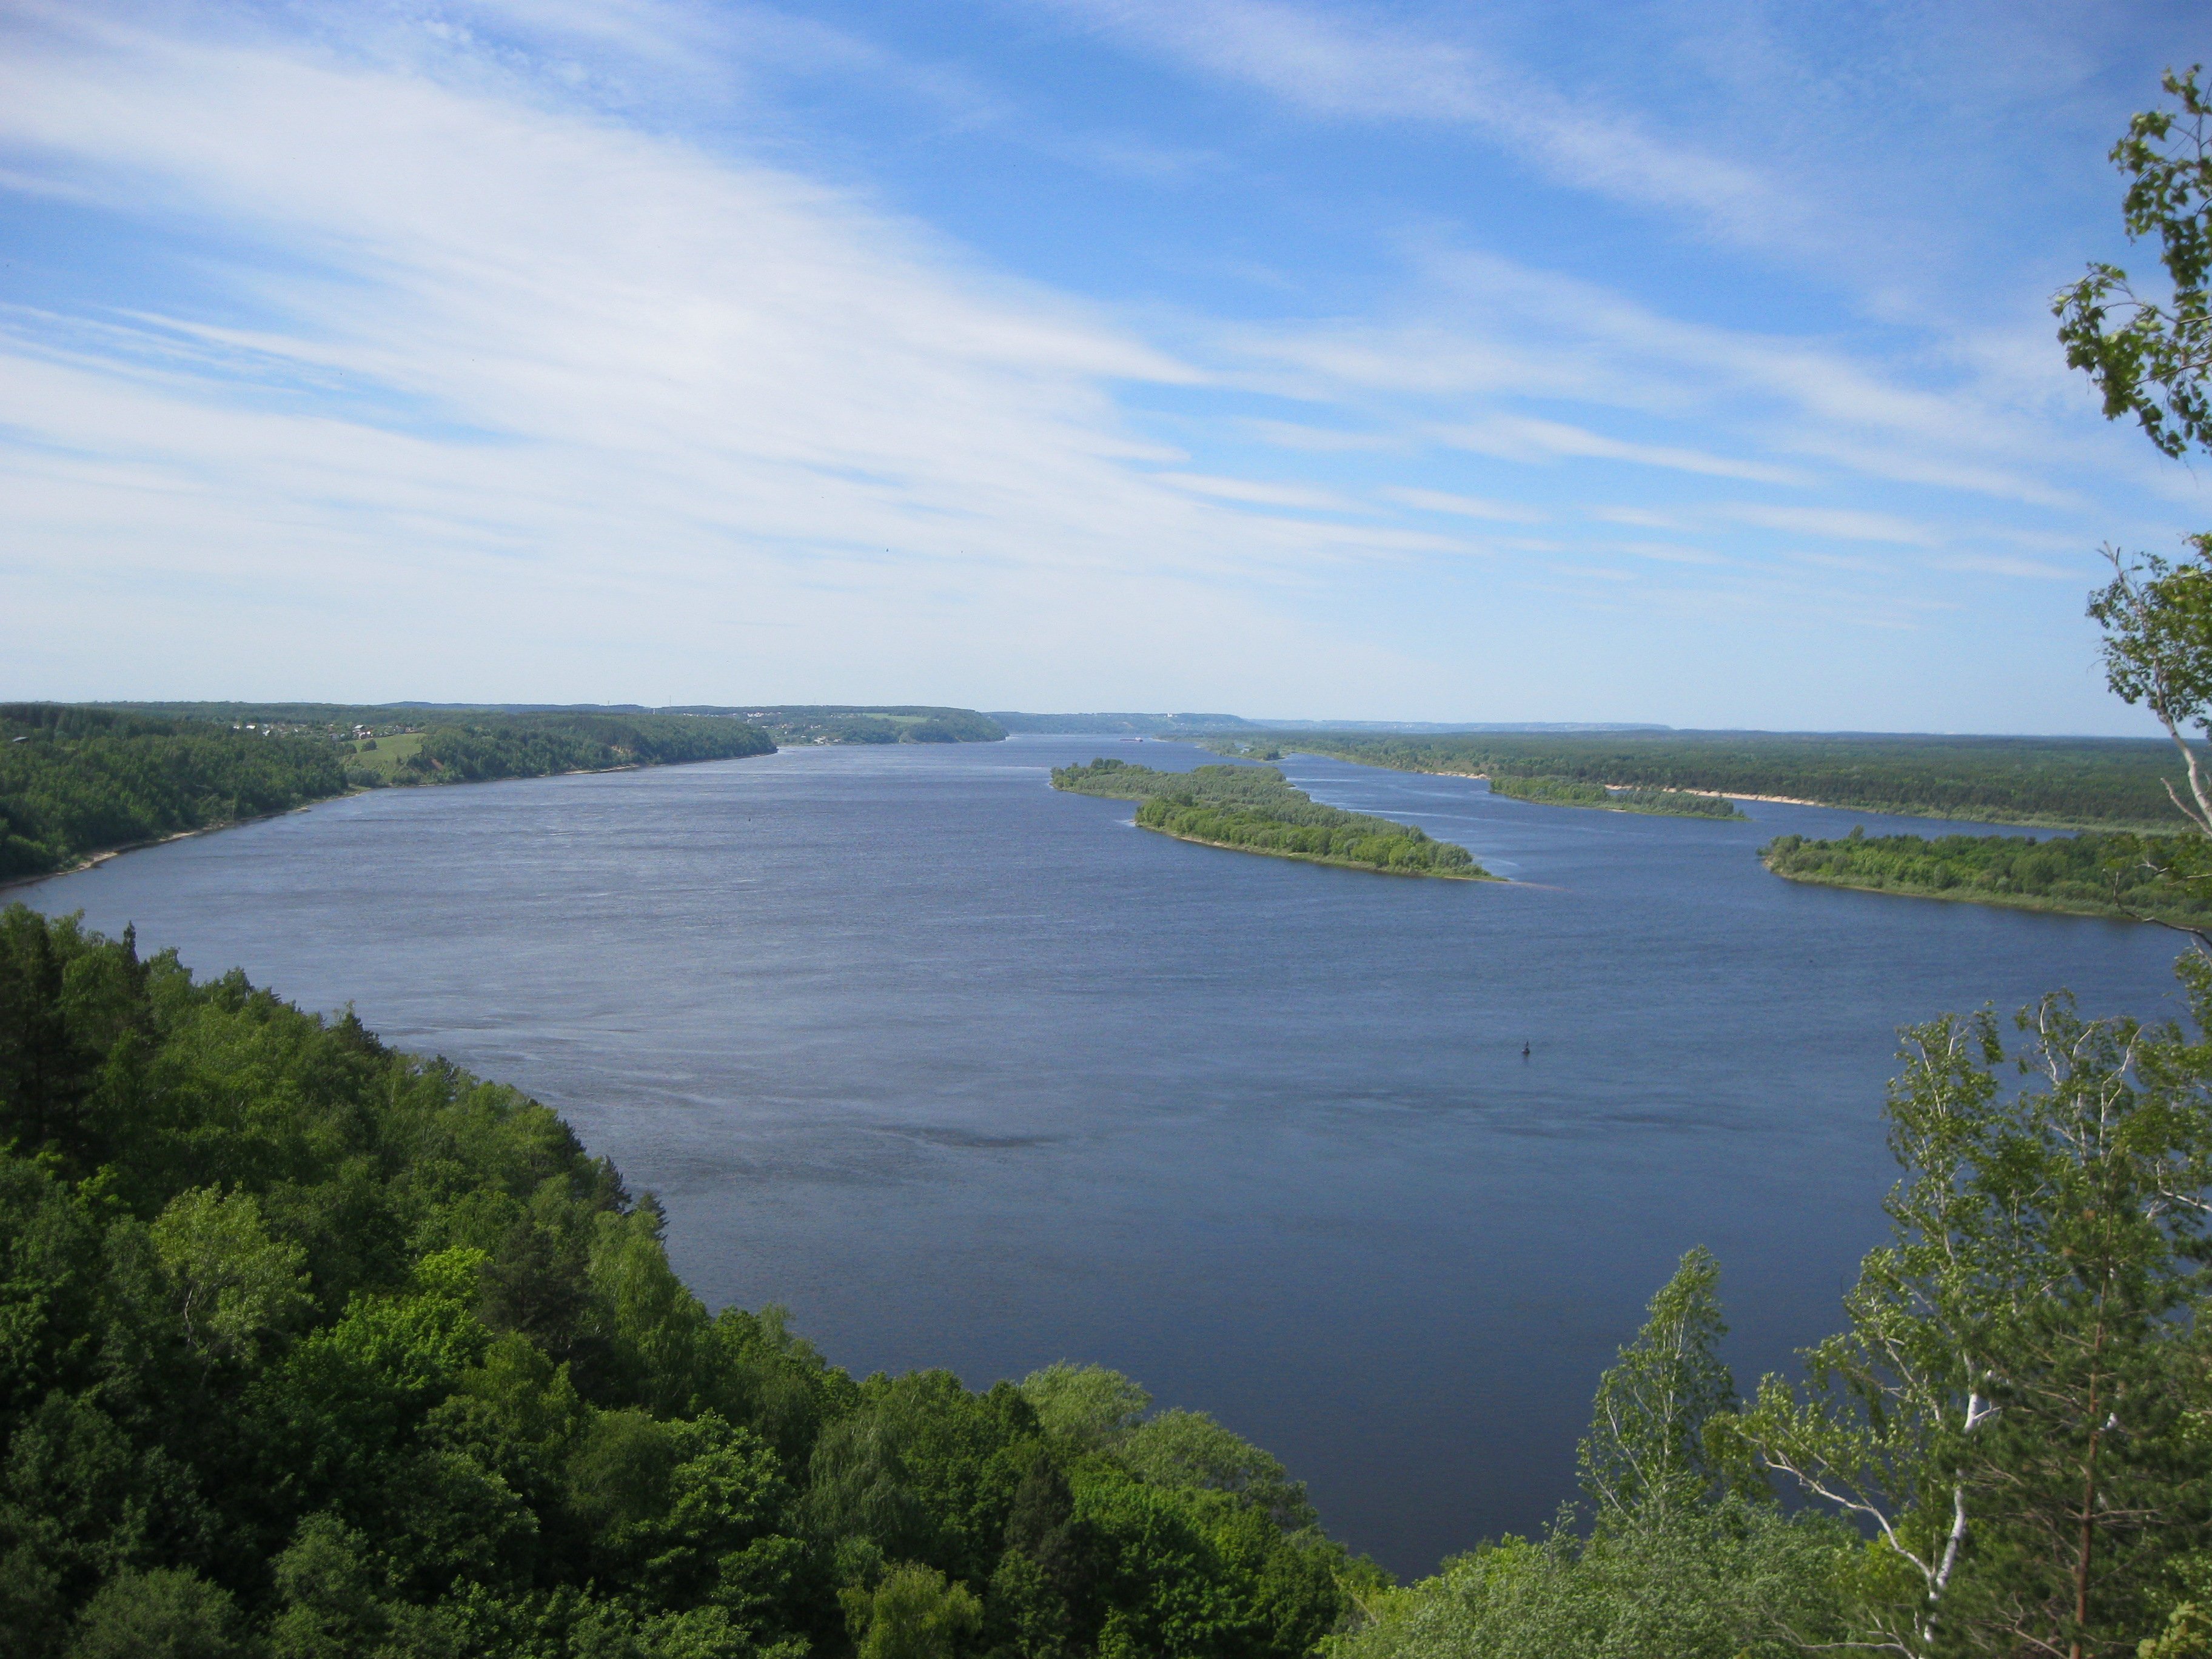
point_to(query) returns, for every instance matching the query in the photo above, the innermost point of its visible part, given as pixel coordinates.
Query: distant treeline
(2115, 782)
(79, 781)
(1565, 791)
(2091, 874)
(835, 723)
(1096, 724)
(1254, 809)
(788, 723)
(536, 745)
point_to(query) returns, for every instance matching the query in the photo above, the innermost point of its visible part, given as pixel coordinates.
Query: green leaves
(2006, 1408)
(1646, 1457)
(233, 1284)
(2149, 360)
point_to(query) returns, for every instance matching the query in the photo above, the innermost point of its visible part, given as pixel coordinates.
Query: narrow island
(2118, 875)
(1253, 809)
(1571, 792)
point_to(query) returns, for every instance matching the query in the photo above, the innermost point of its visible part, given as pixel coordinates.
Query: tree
(2006, 1411)
(2151, 360)
(913, 1614)
(2154, 364)
(165, 1613)
(1646, 1457)
(233, 1282)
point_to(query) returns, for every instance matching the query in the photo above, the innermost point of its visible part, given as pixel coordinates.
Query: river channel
(969, 1073)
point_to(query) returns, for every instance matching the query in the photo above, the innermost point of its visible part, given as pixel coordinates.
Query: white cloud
(1522, 438)
(1843, 523)
(1465, 506)
(1259, 493)
(1371, 69)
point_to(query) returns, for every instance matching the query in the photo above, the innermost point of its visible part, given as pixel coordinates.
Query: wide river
(969, 1073)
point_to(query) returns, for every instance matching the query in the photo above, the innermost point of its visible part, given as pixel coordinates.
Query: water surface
(969, 1073)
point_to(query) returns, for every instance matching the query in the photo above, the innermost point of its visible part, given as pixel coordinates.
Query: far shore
(91, 859)
(1783, 800)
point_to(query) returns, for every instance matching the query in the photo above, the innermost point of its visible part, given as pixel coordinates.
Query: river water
(969, 1073)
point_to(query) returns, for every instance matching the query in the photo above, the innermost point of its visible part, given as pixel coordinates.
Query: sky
(1678, 362)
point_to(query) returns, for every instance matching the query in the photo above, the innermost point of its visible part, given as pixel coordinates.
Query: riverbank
(2121, 878)
(79, 784)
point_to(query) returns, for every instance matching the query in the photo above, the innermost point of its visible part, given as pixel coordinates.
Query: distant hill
(1155, 725)
(789, 724)
(1145, 724)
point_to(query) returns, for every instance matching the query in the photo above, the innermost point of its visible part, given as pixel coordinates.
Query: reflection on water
(967, 1074)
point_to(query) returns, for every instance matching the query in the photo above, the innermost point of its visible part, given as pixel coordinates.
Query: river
(969, 1073)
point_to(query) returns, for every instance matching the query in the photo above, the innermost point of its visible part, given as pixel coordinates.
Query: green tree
(232, 1283)
(167, 1612)
(2007, 1410)
(1646, 1458)
(913, 1614)
(1087, 1404)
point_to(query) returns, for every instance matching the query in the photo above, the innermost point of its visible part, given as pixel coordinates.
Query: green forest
(537, 745)
(1566, 792)
(1254, 809)
(79, 781)
(788, 723)
(2092, 874)
(310, 1349)
(2064, 782)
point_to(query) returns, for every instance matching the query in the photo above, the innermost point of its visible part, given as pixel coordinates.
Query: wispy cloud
(1372, 67)
(1522, 438)
(1465, 506)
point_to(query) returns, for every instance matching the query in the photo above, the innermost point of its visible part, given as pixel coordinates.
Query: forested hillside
(311, 1348)
(2068, 781)
(77, 780)
(1254, 809)
(536, 745)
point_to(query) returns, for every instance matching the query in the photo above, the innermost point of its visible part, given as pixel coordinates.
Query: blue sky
(1678, 362)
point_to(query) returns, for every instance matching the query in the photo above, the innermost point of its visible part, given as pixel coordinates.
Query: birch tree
(2007, 1414)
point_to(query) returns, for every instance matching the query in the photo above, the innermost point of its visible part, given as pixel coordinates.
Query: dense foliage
(1565, 791)
(1254, 809)
(536, 745)
(2055, 781)
(77, 780)
(2092, 874)
(311, 1348)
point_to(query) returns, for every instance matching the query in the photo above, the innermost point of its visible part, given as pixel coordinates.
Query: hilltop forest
(79, 781)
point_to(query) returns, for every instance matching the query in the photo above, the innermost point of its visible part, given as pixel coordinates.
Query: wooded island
(1254, 809)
